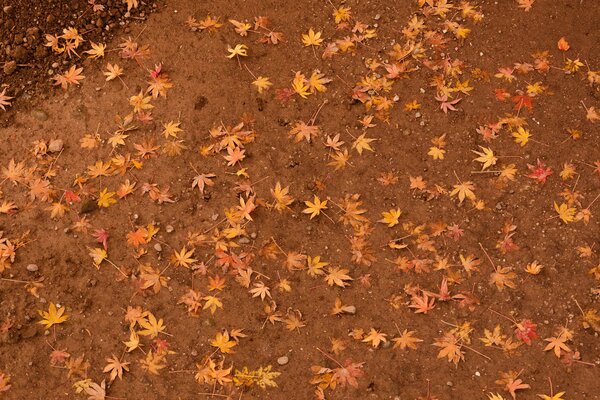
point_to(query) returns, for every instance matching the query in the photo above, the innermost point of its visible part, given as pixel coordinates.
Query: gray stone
(283, 360)
(32, 268)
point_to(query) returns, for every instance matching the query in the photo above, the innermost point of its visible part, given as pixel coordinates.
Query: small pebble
(169, 228)
(32, 268)
(158, 247)
(55, 145)
(283, 360)
(243, 240)
(253, 235)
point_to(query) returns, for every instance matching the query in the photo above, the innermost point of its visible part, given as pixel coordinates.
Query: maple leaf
(95, 391)
(375, 337)
(115, 367)
(105, 198)
(391, 217)
(301, 130)
(464, 190)
(557, 344)
(71, 77)
(260, 290)
(241, 28)
(362, 143)
(262, 83)
(98, 254)
(131, 4)
(422, 304)
(238, 50)
(446, 104)
(526, 331)
(153, 362)
(300, 86)
(212, 303)
(521, 136)
(565, 213)
(315, 266)
(101, 236)
(540, 172)
(282, 197)
(152, 325)
(450, 348)
(338, 276)
(4, 100)
(183, 258)
(501, 277)
(113, 71)
(53, 316)
(97, 51)
(315, 207)
(348, 374)
(525, 4)
(202, 180)
(246, 207)
(311, 38)
(223, 343)
(437, 153)
(512, 383)
(140, 102)
(8, 207)
(522, 100)
(406, 340)
(486, 157)
(234, 155)
(317, 82)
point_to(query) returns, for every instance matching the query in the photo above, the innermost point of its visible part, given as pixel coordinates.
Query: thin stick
(331, 358)
(488, 256)
(475, 351)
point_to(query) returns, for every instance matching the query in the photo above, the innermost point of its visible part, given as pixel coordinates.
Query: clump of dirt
(27, 64)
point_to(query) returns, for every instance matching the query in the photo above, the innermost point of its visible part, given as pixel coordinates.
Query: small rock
(158, 247)
(7, 9)
(253, 235)
(243, 240)
(40, 115)
(193, 353)
(169, 228)
(283, 360)
(20, 54)
(10, 67)
(449, 383)
(55, 145)
(387, 344)
(32, 268)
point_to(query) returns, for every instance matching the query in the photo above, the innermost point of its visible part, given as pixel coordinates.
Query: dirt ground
(487, 247)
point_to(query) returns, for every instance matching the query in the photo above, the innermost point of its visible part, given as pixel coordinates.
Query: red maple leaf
(522, 100)
(526, 331)
(101, 236)
(284, 94)
(348, 374)
(501, 94)
(71, 197)
(539, 172)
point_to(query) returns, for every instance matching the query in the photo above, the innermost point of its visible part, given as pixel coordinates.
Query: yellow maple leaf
(105, 199)
(312, 38)
(299, 84)
(486, 157)
(315, 207)
(171, 129)
(391, 217)
(565, 213)
(113, 71)
(464, 190)
(153, 326)
(262, 83)
(183, 258)
(521, 136)
(362, 143)
(238, 50)
(53, 316)
(375, 338)
(223, 343)
(437, 153)
(97, 50)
